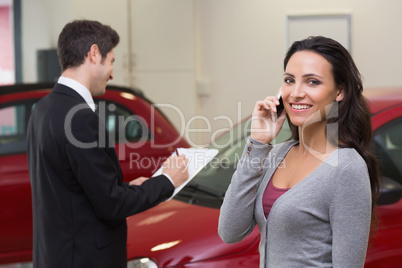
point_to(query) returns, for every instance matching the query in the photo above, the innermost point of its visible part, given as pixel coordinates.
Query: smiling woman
(315, 203)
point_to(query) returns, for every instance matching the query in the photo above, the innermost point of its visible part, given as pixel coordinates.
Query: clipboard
(197, 160)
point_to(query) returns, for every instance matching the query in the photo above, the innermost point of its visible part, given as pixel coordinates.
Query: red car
(144, 138)
(183, 232)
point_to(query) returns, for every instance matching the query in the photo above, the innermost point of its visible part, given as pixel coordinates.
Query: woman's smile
(300, 107)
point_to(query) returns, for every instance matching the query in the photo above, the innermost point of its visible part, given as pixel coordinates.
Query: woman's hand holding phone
(266, 122)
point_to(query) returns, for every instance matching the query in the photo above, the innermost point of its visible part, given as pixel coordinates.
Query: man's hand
(138, 181)
(176, 168)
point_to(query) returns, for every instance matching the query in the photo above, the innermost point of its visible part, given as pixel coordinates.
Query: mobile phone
(280, 107)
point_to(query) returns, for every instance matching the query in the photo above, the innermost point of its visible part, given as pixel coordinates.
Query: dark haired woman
(313, 196)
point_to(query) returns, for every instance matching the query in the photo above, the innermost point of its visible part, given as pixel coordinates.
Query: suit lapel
(65, 90)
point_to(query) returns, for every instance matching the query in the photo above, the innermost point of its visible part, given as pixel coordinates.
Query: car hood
(175, 232)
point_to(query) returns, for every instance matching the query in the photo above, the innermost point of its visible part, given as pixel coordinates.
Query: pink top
(270, 195)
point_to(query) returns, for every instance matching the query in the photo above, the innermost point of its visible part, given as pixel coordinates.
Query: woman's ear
(340, 94)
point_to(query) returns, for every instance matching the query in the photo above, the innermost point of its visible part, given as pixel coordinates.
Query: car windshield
(209, 186)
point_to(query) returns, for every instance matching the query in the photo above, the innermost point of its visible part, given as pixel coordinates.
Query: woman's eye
(288, 80)
(314, 82)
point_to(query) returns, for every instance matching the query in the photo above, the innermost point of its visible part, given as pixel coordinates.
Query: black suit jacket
(80, 203)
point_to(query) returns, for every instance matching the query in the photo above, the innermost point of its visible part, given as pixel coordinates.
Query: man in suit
(80, 203)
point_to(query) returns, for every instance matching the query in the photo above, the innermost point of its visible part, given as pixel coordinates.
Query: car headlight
(142, 263)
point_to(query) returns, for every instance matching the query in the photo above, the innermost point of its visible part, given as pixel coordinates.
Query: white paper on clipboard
(197, 160)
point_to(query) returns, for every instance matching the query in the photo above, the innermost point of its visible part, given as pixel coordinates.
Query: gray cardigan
(323, 221)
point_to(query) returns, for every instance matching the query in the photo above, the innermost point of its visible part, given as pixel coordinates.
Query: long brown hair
(352, 116)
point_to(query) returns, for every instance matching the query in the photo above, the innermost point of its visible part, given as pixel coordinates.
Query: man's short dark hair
(77, 37)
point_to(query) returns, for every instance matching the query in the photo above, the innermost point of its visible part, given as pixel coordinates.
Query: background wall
(213, 57)
(42, 21)
(6, 44)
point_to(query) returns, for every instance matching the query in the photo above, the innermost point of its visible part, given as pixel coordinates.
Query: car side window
(387, 147)
(122, 124)
(13, 129)
(231, 146)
